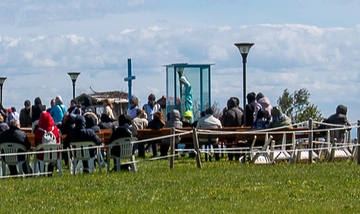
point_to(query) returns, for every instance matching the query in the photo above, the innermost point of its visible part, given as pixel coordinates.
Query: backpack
(48, 137)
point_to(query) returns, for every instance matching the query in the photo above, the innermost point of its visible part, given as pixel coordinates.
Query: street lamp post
(2, 80)
(244, 49)
(74, 76)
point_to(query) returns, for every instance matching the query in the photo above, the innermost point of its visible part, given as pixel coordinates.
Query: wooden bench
(107, 135)
(26, 129)
(247, 135)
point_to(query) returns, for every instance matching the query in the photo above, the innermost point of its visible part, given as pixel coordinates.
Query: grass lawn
(219, 187)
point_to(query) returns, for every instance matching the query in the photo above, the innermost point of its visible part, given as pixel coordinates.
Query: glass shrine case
(190, 84)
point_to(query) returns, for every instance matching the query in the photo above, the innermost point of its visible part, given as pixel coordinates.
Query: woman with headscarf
(262, 115)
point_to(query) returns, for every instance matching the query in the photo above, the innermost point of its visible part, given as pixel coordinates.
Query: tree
(298, 107)
(218, 111)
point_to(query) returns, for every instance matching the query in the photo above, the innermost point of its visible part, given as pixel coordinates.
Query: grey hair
(14, 123)
(58, 100)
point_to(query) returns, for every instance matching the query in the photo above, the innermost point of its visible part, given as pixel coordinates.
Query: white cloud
(325, 60)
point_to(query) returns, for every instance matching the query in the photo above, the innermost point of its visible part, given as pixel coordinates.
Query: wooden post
(172, 148)
(197, 150)
(311, 134)
(357, 145)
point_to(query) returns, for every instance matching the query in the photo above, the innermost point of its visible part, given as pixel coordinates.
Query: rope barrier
(292, 148)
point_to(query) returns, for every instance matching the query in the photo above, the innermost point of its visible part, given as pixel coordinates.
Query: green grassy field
(219, 187)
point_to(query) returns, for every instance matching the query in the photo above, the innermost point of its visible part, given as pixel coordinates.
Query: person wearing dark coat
(339, 118)
(106, 122)
(87, 105)
(80, 134)
(36, 111)
(250, 108)
(25, 117)
(15, 135)
(91, 122)
(156, 123)
(74, 107)
(125, 129)
(232, 117)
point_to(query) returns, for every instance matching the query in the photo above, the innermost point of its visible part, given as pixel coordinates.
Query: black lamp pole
(74, 76)
(2, 80)
(244, 49)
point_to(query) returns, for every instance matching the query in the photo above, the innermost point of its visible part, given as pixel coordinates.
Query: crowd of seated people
(81, 123)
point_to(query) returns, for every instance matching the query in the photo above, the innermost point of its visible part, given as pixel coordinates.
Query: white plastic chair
(125, 146)
(282, 153)
(51, 155)
(261, 156)
(81, 151)
(9, 148)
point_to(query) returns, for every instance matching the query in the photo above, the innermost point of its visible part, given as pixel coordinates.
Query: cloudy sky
(312, 44)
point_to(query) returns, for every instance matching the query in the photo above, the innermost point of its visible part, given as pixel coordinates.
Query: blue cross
(129, 79)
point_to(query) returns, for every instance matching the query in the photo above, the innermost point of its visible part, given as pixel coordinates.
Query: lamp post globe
(244, 49)
(74, 76)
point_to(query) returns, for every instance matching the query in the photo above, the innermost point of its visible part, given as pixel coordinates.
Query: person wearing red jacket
(46, 123)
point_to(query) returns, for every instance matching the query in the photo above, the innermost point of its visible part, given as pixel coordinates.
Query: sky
(312, 44)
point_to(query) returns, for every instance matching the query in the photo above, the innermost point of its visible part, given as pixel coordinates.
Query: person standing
(52, 103)
(58, 111)
(151, 107)
(25, 117)
(15, 114)
(132, 111)
(74, 107)
(36, 111)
